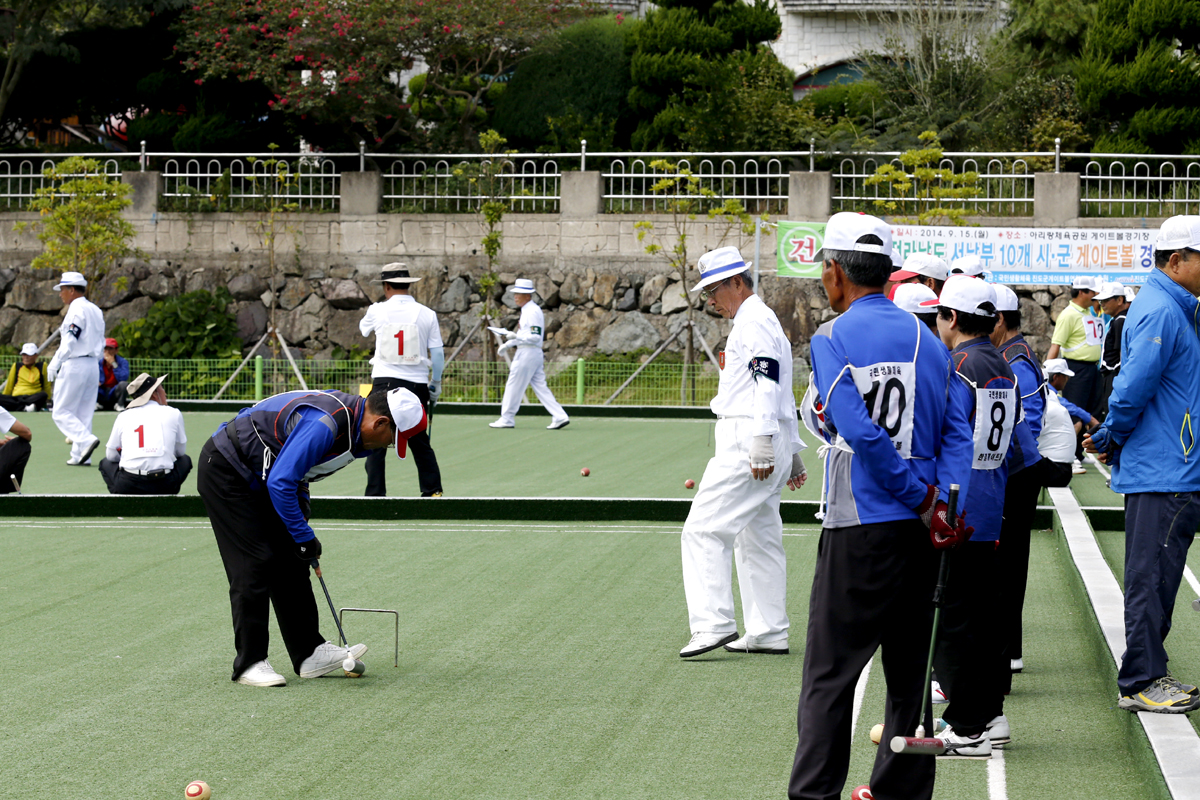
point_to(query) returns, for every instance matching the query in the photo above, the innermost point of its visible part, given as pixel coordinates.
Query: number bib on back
(144, 441)
(995, 420)
(398, 344)
(888, 389)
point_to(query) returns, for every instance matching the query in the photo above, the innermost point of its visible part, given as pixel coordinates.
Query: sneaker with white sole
(936, 695)
(260, 673)
(1077, 468)
(501, 424)
(998, 731)
(558, 424)
(1016, 665)
(705, 641)
(1164, 696)
(327, 658)
(85, 456)
(748, 644)
(29, 409)
(978, 746)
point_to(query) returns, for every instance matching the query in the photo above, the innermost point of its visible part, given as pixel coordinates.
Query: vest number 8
(997, 431)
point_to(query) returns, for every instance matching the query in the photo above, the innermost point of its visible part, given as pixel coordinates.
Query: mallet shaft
(915, 746)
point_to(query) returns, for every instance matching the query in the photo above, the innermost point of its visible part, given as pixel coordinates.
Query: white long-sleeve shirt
(756, 374)
(531, 329)
(81, 333)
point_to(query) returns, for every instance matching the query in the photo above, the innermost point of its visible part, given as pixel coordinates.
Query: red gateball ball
(585, 472)
(689, 484)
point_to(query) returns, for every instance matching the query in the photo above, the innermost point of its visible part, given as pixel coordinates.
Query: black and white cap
(140, 389)
(396, 272)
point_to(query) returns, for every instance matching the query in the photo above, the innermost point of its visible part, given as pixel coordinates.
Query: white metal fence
(1112, 184)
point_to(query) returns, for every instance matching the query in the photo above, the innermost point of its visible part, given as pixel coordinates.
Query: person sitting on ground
(146, 451)
(14, 453)
(114, 375)
(27, 388)
(1057, 374)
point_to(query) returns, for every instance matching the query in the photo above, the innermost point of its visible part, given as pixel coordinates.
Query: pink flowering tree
(342, 63)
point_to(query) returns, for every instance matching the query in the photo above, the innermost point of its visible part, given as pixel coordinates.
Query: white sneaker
(261, 674)
(936, 695)
(327, 658)
(1077, 468)
(998, 731)
(748, 644)
(1016, 664)
(501, 424)
(978, 746)
(29, 409)
(704, 641)
(557, 424)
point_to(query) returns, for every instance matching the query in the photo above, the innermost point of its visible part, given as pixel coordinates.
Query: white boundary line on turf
(997, 776)
(1175, 742)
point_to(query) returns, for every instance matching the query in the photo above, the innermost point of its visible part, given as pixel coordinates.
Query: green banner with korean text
(796, 248)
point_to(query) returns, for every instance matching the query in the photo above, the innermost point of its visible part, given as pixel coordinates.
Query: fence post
(258, 378)
(580, 365)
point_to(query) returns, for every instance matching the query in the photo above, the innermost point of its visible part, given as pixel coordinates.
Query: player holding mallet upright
(1149, 440)
(253, 476)
(735, 514)
(885, 401)
(526, 369)
(73, 368)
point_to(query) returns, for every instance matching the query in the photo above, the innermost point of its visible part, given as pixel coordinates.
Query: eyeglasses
(711, 290)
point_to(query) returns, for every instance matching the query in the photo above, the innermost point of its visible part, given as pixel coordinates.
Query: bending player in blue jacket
(896, 438)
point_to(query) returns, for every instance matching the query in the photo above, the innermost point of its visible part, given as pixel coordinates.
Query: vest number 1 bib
(398, 344)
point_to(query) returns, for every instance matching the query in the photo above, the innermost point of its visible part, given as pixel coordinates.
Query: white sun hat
(717, 265)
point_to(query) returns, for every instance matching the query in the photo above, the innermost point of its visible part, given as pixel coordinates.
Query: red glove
(940, 532)
(925, 510)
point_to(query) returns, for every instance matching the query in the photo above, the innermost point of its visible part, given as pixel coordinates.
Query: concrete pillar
(147, 186)
(810, 196)
(1055, 199)
(361, 193)
(582, 194)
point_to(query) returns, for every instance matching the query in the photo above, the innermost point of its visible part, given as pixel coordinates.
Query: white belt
(735, 416)
(146, 472)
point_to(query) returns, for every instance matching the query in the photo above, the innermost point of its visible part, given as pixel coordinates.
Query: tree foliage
(343, 63)
(1140, 74)
(80, 222)
(194, 325)
(686, 55)
(922, 190)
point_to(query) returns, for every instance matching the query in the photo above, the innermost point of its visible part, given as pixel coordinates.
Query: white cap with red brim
(408, 415)
(927, 264)
(1057, 366)
(966, 294)
(909, 296)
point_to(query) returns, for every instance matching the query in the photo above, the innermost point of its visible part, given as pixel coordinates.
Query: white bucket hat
(396, 272)
(522, 286)
(71, 279)
(717, 265)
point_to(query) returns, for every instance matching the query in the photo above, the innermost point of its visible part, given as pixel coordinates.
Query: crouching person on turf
(147, 449)
(885, 401)
(1149, 440)
(253, 477)
(736, 510)
(14, 452)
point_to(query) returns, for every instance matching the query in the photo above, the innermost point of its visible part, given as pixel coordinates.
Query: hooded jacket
(1150, 431)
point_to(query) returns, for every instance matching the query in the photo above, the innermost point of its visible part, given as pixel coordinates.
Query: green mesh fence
(574, 382)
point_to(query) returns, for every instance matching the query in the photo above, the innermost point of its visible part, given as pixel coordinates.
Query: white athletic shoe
(957, 746)
(29, 409)
(704, 641)
(748, 644)
(1077, 468)
(998, 731)
(1016, 664)
(936, 695)
(327, 658)
(261, 674)
(89, 447)
(501, 424)
(558, 424)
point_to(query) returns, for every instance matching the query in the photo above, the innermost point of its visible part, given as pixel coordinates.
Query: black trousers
(1106, 386)
(1020, 504)
(108, 398)
(1083, 389)
(429, 477)
(120, 482)
(969, 659)
(14, 455)
(873, 588)
(10, 402)
(262, 569)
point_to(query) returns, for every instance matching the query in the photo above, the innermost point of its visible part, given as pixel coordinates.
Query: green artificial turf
(537, 660)
(626, 458)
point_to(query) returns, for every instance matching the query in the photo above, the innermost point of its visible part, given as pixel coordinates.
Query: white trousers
(75, 400)
(735, 516)
(526, 370)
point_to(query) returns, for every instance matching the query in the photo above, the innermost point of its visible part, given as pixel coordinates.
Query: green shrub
(195, 325)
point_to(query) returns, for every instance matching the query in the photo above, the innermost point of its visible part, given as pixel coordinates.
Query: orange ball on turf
(689, 484)
(585, 472)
